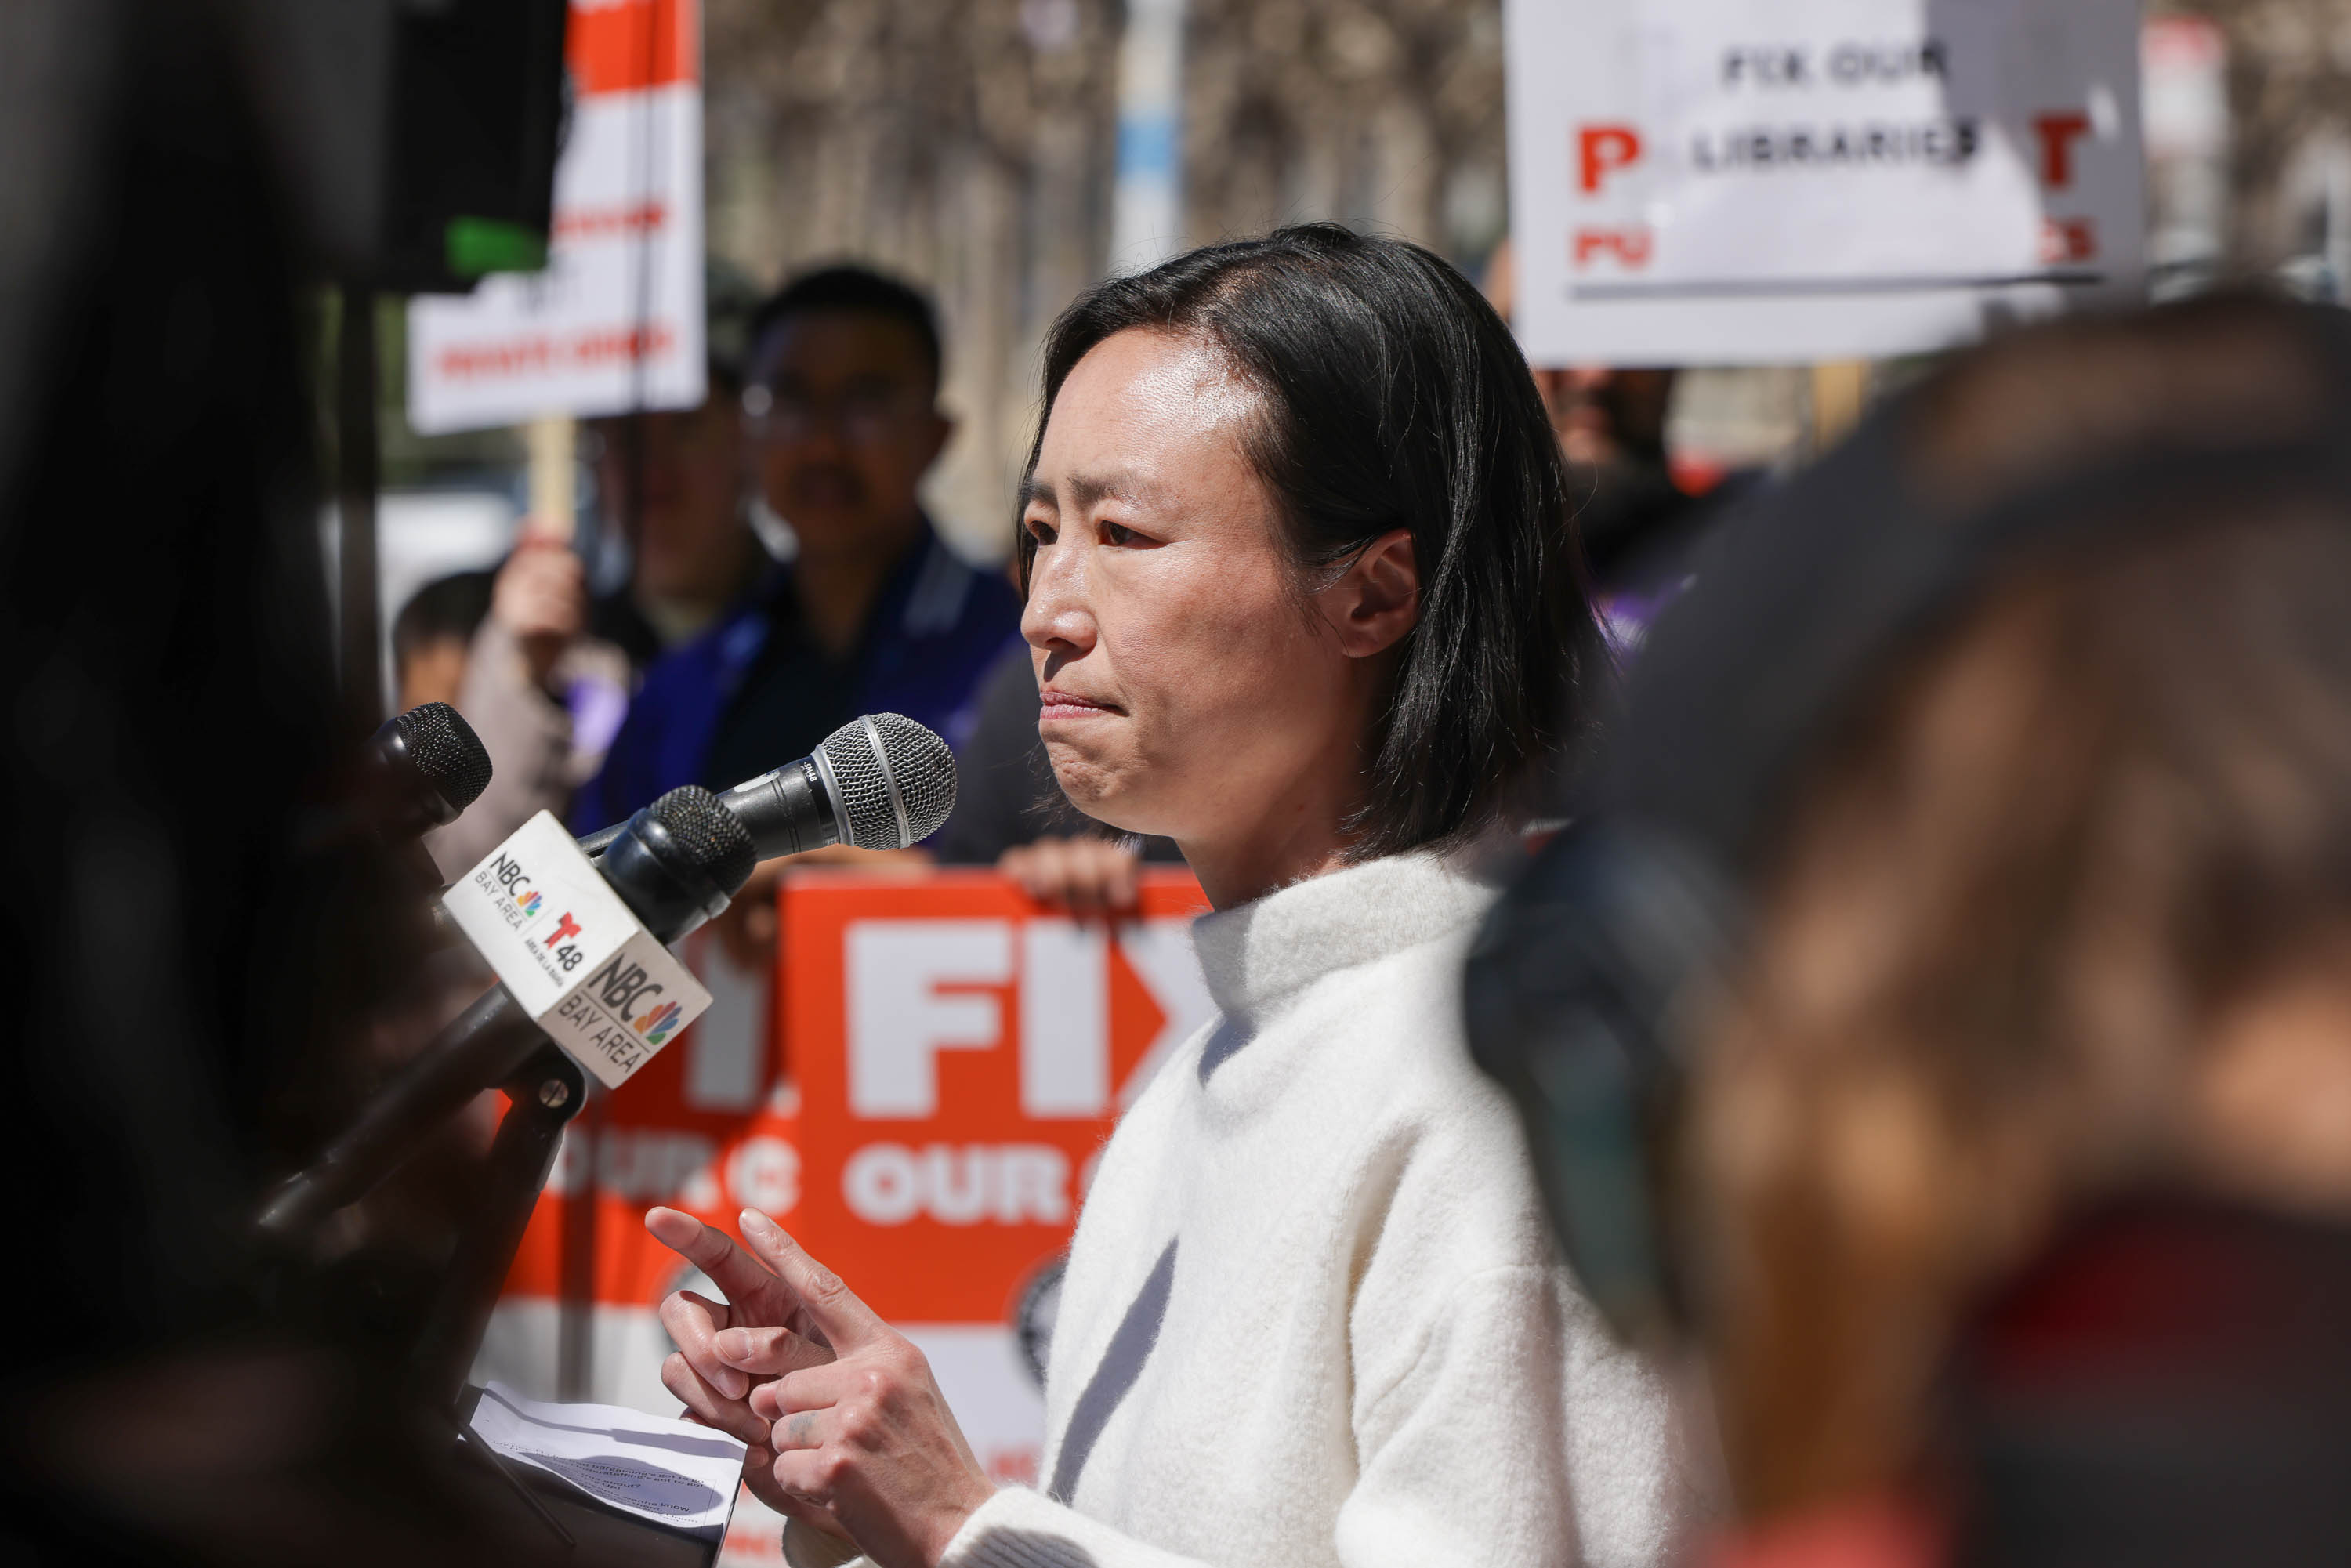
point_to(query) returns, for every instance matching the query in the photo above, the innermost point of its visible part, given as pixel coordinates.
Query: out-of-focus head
(431, 633)
(843, 407)
(674, 477)
(1981, 823)
(1608, 418)
(1294, 528)
(2061, 916)
(2057, 911)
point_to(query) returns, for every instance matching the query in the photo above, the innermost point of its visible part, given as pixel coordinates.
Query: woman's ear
(1377, 599)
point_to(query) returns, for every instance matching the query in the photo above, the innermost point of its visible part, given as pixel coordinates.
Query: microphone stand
(546, 1091)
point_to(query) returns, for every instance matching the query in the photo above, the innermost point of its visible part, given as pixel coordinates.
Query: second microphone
(880, 782)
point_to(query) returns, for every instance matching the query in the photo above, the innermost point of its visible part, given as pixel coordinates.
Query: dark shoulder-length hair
(1392, 396)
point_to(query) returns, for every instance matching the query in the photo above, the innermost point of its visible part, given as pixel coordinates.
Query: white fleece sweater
(1364, 1351)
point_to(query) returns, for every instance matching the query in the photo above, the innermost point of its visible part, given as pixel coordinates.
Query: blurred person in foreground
(1300, 597)
(548, 673)
(209, 927)
(2013, 1190)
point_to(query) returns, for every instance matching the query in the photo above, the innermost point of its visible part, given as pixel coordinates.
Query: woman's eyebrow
(1121, 484)
(1085, 489)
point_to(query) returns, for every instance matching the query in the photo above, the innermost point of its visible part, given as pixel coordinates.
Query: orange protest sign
(956, 1058)
(708, 1125)
(961, 1056)
(617, 45)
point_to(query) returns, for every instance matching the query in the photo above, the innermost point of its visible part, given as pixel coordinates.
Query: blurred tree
(2290, 113)
(971, 144)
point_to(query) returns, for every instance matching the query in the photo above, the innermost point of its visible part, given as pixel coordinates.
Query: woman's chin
(1100, 791)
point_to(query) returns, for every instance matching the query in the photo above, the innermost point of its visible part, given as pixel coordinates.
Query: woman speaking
(1300, 598)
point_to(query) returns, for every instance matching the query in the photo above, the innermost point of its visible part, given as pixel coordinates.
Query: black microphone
(419, 772)
(424, 767)
(881, 783)
(676, 864)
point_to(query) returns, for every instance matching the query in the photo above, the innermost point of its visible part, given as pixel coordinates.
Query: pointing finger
(831, 1305)
(708, 1248)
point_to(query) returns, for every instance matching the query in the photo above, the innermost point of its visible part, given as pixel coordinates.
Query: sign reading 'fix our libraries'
(1751, 180)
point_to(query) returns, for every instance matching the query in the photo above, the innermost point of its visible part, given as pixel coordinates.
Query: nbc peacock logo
(529, 902)
(656, 1025)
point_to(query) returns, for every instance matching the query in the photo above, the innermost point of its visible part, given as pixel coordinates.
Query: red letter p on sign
(1602, 149)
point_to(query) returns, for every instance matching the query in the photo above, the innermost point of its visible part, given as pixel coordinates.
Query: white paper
(580, 964)
(671, 1472)
(1757, 181)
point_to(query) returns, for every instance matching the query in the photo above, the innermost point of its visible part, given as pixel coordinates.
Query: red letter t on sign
(1601, 149)
(2057, 133)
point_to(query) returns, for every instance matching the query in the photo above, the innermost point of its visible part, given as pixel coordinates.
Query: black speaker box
(418, 137)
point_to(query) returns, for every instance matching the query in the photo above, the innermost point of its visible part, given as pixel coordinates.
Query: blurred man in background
(1639, 513)
(548, 674)
(873, 613)
(1631, 513)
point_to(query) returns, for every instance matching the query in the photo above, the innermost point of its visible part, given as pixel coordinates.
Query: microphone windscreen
(896, 779)
(719, 846)
(447, 752)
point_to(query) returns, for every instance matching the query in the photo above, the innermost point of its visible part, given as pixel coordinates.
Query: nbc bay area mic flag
(615, 320)
(943, 1065)
(554, 932)
(1715, 182)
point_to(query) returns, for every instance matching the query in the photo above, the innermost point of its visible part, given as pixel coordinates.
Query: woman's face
(1190, 688)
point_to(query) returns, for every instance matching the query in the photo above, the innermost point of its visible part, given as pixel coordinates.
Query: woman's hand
(866, 1439)
(764, 1314)
(1087, 876)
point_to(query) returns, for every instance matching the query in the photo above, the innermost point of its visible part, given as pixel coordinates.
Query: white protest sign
(615, 321)
(1759, 181)
(553, 930)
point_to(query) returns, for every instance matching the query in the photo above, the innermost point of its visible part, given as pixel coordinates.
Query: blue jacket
(935, 631)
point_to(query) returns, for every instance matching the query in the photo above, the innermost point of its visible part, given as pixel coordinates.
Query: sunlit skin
(1193, 686)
